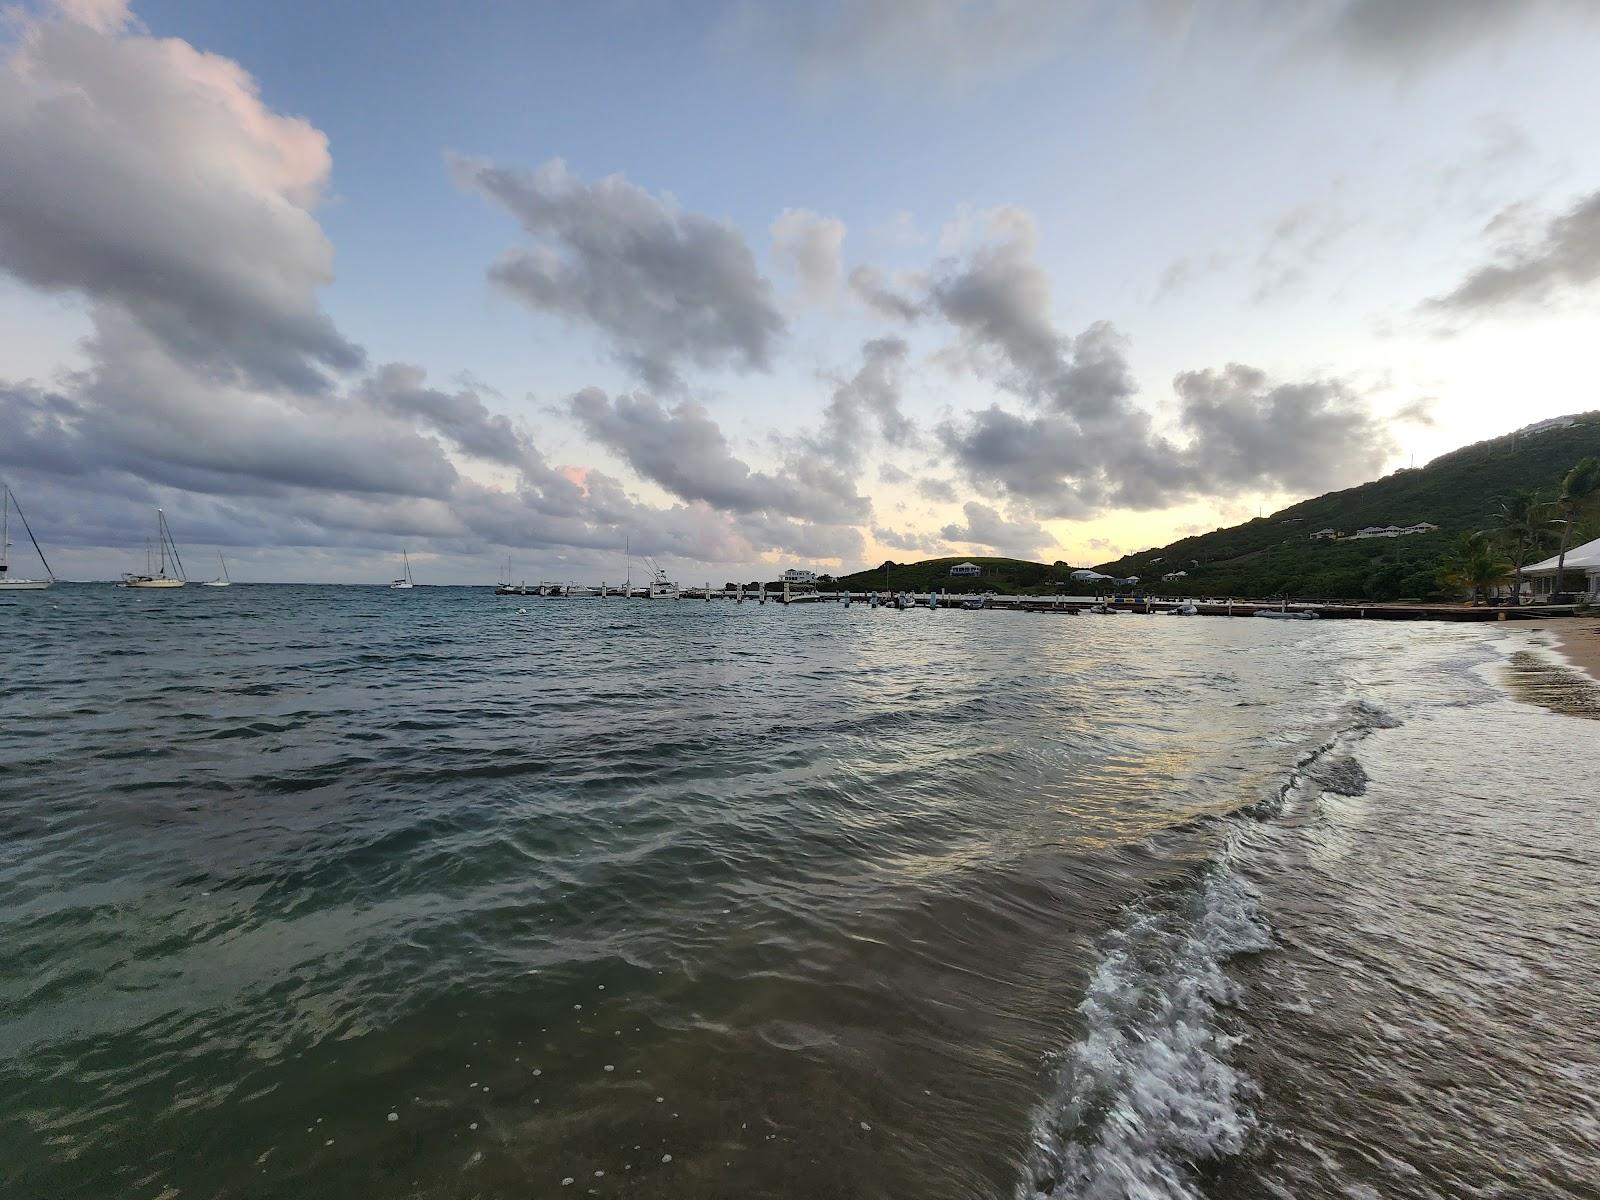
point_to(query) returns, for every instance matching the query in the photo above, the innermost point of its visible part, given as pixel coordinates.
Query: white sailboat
(405, 582)
(155, 575)
(222, 580)
(8, 583)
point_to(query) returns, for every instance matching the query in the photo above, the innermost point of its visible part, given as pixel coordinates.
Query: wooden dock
(1092, 605)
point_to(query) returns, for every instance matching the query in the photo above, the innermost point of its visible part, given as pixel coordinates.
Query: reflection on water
(329, 891)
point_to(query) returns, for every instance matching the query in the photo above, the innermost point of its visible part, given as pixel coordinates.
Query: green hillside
(1457, 492)
(1004, 575)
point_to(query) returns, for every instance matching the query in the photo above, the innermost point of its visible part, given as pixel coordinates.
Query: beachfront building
(796, 575)
(1583, 573)
(966, 570)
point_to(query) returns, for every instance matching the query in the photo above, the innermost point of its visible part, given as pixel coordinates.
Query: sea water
(349, 892)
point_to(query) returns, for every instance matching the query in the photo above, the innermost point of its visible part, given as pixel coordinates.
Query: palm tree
(1475, 565)
(1580, 486)
(1519, 519)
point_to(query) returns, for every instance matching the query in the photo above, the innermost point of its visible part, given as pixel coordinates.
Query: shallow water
(345, 892)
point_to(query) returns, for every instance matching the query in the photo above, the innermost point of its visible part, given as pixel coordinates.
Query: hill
(1004, 575)
(1457, 492)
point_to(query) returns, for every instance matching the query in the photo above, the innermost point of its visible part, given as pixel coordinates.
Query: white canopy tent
(1583, 571)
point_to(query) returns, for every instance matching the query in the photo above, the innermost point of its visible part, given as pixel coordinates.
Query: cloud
(869, 285)
(1247, 433)
(684, 450)
(1403, 34)
(909, 540)
(986, 527)
(461, 416)
(917, 42)
(1082, 443)
(664, 286)
(866, 405)
(810, 247)
(1559, 257)
(148, 177)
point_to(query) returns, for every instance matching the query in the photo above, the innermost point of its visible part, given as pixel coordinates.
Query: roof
(1579, 558)
(1586, 556)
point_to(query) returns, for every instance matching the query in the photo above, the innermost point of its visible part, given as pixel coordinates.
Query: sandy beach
(1579, 640)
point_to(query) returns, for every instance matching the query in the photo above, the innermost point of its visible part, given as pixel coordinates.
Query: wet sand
(1579, 640)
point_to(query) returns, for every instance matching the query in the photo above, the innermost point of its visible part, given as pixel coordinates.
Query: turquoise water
(348, 892)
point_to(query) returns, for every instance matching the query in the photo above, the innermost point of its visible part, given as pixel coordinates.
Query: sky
(738, 287)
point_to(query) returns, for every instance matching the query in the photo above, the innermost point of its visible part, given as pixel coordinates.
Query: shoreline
(1578, 641)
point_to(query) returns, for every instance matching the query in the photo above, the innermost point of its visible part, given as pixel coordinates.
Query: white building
(968, 570)
(1171, 575)
(796, 575)
(1324, 535)
(1583, 572)
(1394, 531)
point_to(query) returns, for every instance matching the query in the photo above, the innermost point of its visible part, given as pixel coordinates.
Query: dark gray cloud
(146, 176)
(999, 298)
(987, 528)
(809, 246)
(869, 285)
(1412, 31)
(910, 541)
(1249, 434)
(1082, 444)
(1555, 259)
(460, 416)
(665, 287)
(685, 451)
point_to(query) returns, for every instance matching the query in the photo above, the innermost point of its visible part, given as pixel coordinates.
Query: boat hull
(153, 583)
(24, 585)
(217, 583)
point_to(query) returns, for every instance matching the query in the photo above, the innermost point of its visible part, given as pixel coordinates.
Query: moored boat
(404, 583)
(156, 574)
(8, 582)
(221, 580)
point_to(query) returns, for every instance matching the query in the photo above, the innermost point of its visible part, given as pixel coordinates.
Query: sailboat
(404, 583)
(222, 580)
(156, 576)
(8, 501)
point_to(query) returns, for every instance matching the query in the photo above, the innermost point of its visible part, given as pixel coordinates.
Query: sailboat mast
(169, 544)
(29, 530)
(5, 531)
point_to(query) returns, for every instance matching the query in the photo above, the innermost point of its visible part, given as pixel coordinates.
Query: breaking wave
(1148, 1093)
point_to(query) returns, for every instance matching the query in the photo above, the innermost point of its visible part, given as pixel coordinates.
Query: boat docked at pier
(157, 559)
(8, 582)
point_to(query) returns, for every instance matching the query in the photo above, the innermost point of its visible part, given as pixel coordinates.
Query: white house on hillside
(966, 569)
(796, 575)
(1394, 531)
(1323, 535)
(1583, 572)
